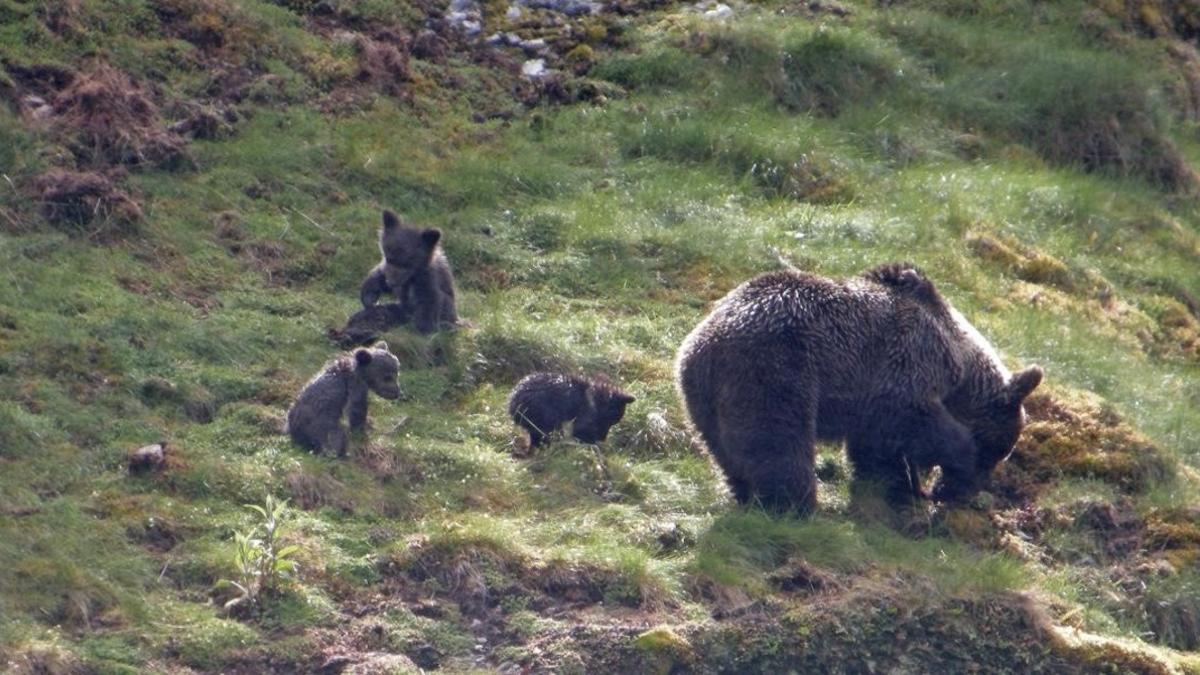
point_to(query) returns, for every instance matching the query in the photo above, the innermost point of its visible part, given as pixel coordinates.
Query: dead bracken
(109, 119)
(1077, 436)
(85, 199)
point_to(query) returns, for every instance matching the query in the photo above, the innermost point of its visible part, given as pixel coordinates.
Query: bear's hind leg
(778, 462)
(739, 488)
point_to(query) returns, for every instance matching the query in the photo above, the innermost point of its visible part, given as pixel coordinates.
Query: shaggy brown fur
(315, 419)
(542, 403)
(416, 272)
(880, 361)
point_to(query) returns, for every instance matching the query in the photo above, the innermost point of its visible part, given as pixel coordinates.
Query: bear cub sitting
(416, 272)
(315, 420)
(543, 402)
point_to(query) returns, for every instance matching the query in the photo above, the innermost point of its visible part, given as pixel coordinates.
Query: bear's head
(405, 248)
(376, 366)
(995, 426)
(605, 407)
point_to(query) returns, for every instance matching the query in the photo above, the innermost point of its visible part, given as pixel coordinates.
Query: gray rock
(568, 7)
(534, 68)
(467, 15)
(149, 458)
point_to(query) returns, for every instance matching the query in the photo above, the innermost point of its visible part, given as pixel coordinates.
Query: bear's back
(857, 339)
(821, 314)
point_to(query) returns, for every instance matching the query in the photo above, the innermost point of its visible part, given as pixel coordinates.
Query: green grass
(585, 238)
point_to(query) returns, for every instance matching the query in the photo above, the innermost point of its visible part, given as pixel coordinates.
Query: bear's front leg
(425, 306)
(356, 410)
(881, 468)
(903, 439)
(374, 286)
(939, 439)
(336, 442)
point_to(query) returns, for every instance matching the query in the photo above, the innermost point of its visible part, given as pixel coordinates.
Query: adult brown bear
(881, 361)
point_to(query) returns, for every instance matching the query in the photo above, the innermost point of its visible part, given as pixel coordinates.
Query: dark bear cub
(880, 361)
(416, 272)
(315, 420)
(543, 402)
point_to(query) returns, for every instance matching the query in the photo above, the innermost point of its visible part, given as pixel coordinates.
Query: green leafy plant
(262, 563)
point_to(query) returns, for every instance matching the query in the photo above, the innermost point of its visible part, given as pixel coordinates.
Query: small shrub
(262, 564)
(384, 64)
(1172, 610)
(832, 70)
(85, 199)
(109, 118)
(807, 179)
(660, 68)
(1080, 108)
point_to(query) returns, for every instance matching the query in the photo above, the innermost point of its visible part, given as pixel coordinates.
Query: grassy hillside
(189, 195)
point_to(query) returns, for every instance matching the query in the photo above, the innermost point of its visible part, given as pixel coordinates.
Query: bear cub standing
(880, 361)
(315, 420)
(416, 272)
(543, 402)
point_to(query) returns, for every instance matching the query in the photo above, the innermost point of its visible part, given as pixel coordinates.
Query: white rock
(344, 37)
(535, 45)
(721, 11)
(534, 68)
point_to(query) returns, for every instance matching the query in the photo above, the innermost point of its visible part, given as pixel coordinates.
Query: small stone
(335, 664)
(533, 46)
(534, 68)
(721, 11)
(344, 38)
(148, 458)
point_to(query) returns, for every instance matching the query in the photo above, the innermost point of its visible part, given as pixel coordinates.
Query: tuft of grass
(831, 70)
(740, 548)
(1080, 108)
(660, 67)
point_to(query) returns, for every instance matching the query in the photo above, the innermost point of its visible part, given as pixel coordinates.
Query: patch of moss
(1025, 263)
(208, 644)
(1075, 435)
(969, 525)
(1173, 528)
(663, 649)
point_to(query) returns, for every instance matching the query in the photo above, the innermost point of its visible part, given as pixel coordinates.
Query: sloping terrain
(189, 196)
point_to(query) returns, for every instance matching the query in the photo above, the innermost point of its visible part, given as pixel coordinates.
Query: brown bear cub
(543, 402)
(315, 420)
(416, 272)
(880, 361)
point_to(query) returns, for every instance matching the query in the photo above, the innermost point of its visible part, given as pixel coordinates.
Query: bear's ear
(381, 345)
(431, 237)
(390, 219)
(362, 357)
(1023, 384)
